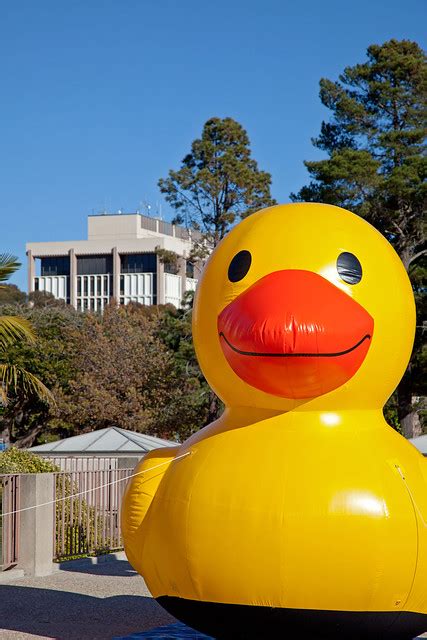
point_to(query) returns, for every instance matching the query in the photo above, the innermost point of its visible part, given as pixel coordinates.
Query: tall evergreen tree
(218, 181)
(377, 166)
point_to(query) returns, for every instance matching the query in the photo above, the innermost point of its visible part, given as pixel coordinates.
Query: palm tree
(13, 330)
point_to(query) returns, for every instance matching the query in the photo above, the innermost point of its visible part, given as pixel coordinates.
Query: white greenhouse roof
(420, 443)
(109, 441)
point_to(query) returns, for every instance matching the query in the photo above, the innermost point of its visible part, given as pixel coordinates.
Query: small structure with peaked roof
(420, 442)
(103, 449)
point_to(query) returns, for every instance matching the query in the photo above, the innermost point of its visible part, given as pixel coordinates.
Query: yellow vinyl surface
(300, 503)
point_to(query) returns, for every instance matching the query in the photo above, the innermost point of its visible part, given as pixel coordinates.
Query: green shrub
(20, 461)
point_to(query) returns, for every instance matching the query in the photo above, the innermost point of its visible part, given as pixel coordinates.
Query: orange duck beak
(294, 334)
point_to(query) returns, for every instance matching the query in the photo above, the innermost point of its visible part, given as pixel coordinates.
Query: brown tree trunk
(411, 425)
(28, 439)
(408, 409)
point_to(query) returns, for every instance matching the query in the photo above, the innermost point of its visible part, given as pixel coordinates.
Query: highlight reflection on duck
(300, 512)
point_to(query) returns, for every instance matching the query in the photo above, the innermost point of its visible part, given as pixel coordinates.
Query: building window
(55, 266)
(93, 292)
(171, 267)
(89, 265)
(189, 271)
(138, 263)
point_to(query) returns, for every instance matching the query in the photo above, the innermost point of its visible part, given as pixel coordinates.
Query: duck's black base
(246, 622)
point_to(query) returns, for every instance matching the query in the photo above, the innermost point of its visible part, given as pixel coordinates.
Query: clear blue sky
(100, 98)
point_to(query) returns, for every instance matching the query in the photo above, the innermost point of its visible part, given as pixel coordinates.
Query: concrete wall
(101, 246)
(36, 525)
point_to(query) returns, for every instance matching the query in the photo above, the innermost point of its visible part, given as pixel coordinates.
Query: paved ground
(84, 602)
(96, 602)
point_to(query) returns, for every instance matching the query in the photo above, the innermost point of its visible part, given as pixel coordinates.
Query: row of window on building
(103, 264)
(94, 281)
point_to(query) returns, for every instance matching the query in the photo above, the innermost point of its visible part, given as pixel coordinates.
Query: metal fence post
(9, 524)
(36, 525)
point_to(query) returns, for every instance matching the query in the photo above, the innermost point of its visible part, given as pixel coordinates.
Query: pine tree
(376, 166)
(218, 182)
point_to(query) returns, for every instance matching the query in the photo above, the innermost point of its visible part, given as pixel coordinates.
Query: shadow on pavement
(177, 631)
(120, 568)
(72, 616)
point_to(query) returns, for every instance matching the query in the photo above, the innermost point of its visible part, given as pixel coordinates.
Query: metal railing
(90, 522)
(160, 226)
(78, 462)
(9, 525)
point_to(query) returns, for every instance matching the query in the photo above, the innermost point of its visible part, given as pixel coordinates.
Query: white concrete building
(118, 260)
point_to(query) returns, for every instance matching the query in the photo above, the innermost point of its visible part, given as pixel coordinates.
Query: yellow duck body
(300, 512)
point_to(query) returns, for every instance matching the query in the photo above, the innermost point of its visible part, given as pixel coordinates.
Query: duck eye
(239, 266)
(349, 268)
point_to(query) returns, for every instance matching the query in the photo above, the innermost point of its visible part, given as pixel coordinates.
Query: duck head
(304, 305)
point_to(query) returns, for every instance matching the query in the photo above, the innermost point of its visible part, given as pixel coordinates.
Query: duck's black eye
(349, 268)
(239, 266)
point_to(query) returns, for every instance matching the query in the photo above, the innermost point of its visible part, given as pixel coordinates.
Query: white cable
(102, 486)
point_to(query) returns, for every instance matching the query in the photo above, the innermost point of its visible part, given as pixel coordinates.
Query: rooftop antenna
(146, 206)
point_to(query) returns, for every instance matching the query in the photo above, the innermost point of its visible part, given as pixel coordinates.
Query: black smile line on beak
(295, 355)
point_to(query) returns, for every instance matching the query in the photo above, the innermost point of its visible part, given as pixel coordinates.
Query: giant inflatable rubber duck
(299, 513)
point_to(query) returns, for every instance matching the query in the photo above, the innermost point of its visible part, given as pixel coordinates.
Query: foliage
(127, 376)
(391, 413)
(44, 299)
(19, 461)
(15, 330)
(376, 166)
(133, 367)
(174, 329)
(218, 181)
(26, 417)
(170, 259)
(10, 293)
